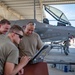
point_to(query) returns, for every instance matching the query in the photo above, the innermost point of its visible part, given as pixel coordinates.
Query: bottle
(65, 68)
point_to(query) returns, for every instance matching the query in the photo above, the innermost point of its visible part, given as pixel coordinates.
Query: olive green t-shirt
(8, 52)
(29, 44)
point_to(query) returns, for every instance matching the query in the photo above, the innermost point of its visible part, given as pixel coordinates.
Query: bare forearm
(17, 69)
(12, 69)
(23, 62)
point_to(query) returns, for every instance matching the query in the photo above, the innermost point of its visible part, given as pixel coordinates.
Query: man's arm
(10, 68)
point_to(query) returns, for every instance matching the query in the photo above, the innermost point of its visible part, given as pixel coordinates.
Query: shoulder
(8, 45)
(11, 45)
(35, 34)
(2, 37)
(8, 48)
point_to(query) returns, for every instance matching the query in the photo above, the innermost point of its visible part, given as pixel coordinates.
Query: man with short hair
(9, 53)
(4, 26)
(30, 42)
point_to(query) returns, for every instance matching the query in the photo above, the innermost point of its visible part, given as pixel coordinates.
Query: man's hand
(24, 60)
(21, 72)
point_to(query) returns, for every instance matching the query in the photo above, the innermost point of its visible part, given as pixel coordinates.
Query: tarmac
(58, 55)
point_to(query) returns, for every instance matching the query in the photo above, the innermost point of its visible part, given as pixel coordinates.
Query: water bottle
(65, 68)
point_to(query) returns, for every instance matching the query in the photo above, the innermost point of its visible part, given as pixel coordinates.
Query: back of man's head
(4, 21)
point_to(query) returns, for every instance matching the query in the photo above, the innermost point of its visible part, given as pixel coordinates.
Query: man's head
(30, 27)
(15, 33)
(4, 26)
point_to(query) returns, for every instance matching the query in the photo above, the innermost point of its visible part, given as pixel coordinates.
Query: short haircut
(4, 21)
(15, 28)
(32, 23)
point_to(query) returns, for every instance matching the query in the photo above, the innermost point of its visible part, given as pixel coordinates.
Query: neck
(10, 37)
(25, 33)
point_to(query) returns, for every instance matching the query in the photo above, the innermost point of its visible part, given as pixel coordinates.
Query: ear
(12, 34)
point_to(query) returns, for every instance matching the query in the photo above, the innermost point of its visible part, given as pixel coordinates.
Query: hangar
(24, 9)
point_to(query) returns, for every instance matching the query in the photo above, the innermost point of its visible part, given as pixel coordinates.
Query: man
(30, 42)
(9, 53)
(66, 46)
(4, 26)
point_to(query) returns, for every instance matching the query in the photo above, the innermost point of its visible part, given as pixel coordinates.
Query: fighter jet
(62, 32)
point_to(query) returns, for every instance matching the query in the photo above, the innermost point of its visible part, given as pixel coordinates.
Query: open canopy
(57, 14)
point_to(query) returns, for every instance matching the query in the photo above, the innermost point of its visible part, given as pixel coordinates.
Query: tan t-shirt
(8, 52)
(29, 44)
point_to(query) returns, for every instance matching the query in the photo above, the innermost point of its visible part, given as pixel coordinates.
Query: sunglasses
(20, 36)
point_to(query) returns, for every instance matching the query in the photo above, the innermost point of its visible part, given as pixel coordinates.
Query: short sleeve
(13, 57)
(11, 53)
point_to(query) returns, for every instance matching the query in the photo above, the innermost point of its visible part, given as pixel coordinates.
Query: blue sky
(68, 10)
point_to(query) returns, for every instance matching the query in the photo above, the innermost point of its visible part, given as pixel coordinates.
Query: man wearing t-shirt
(9, 53)
(30, 42)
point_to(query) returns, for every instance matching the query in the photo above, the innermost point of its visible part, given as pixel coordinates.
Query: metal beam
(43, 15)
(59, 2)
(11, 10)
(41, 8)
(34, 10)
